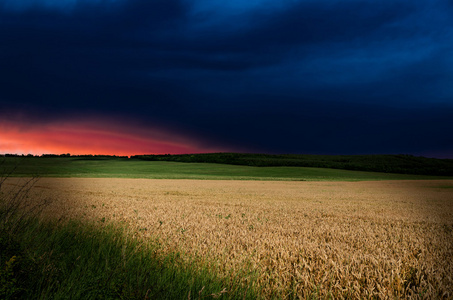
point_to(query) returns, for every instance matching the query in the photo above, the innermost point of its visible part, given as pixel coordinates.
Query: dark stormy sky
(179, 76)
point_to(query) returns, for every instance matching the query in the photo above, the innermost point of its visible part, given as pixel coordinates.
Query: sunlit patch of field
(384, 239)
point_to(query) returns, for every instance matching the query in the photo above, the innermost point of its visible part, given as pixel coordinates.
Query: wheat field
(377, 239)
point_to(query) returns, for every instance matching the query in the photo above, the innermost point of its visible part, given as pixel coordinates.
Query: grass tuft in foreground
(74, 260)
(50, 260)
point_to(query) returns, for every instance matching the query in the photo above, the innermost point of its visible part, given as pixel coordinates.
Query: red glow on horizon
(94, 137)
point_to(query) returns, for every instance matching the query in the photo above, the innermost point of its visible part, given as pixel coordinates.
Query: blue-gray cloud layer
(298, 76)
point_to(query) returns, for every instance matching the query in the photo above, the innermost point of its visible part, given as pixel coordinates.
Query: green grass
(134, 168)
(401, 164)
(88, 261)
(446, 187)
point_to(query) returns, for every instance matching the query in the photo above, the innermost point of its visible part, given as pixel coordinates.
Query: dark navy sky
(287, 76)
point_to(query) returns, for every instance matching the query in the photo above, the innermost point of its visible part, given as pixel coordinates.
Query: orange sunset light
(89, 137)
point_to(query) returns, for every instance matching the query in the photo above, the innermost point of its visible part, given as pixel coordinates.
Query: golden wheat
(386, 239)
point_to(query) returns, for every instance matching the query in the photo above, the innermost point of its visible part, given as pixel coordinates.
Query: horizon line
(198, 153)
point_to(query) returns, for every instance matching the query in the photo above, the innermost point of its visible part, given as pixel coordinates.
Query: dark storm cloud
(303, 76)
(308, 23)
